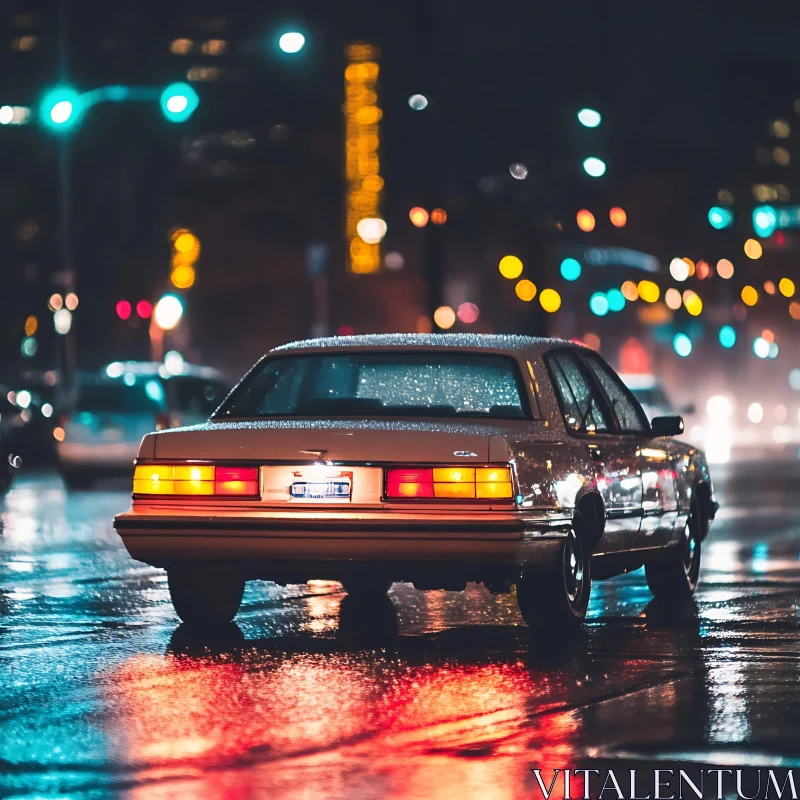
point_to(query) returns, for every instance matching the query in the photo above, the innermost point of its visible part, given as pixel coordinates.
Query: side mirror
(667, 426)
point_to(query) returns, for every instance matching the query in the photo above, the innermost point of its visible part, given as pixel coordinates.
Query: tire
(674, 580)
(205, 594)
(556, 601)
(367, 586)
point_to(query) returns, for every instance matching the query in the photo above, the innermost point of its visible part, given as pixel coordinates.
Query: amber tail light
(449, 483)
(194, 480)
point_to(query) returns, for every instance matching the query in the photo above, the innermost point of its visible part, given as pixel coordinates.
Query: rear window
(145, 395)
(381, 385)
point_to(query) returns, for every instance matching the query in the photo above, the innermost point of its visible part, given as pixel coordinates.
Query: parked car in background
(112, 410)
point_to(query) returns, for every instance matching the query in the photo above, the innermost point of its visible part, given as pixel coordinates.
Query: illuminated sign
(362, 162)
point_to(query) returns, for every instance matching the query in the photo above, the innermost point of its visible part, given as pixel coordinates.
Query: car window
(197, 395)
(629, 413)
(581, 407)
(143, 395)
(383, 384)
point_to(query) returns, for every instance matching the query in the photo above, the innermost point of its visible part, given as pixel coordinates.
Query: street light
(292, 42)
(178, 102)
(60, 108)
(168, 312)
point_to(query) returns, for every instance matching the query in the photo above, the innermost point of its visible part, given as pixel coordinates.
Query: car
(113, 409)
(652, 396)
(432, 459)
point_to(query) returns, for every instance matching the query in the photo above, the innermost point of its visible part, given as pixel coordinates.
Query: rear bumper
(509, 540)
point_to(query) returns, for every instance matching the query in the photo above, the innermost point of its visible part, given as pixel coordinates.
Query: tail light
(449, 483)
(192, 480)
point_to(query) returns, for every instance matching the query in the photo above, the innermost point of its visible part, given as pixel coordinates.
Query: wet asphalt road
(435, 694)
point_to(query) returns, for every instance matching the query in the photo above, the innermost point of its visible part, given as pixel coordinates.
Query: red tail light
(456, 482)
(236, 480)
(196, 480)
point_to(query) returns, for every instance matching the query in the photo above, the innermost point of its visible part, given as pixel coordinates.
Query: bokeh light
(594, 167)
(753, 249)
(769, 287)
(690, 264)
(794, 310)
(768, 335)
(71, 301)
(629, 291)
(592, 340)
(518, 171)
(418, 102)
(570, 269)
(371, 229)
(755, 412)
(727, 336)
(749, 295)
(468, 313)
(418, 216)
(31, 325)
(616, 300)
(550, 300)
(394, 261)
(648, 291)
(525, 290)
(291, 42)
(794, 379)
(183, 276)
(62, 321)
(679, 269)
(123, 309)
(438, 216)
(585, 219)
(510, 267)
(724, 268)
(786, 287)
(693, 304)
(589, 118)
(672, 297)
(444, 317)
(168, 312)
(761, 347)
(618, 217)
(682, 345)
(598, 304)
(703, 270)
(55, 302)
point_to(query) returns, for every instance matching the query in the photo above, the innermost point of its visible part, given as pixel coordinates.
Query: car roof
(497, 343)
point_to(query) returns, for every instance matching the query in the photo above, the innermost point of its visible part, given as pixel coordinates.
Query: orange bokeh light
(618, 217)
(438, 216)
(418, 216)
(585, 220)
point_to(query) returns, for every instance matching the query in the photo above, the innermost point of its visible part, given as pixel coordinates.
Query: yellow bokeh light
(786, 287)
(31, 325)
(585, 220)
(672, 298)
(550, 300)
(510, 267)
(749, 295)
(753, 249)
(185, 242)
(526, 290)
(444, 317)
(724, 268)
(183, 276)
(694, 305)
(629, 291)
(648, 291)
(418, 217)
(689, 263)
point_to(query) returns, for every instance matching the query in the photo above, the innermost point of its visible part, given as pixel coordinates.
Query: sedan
(522, 463)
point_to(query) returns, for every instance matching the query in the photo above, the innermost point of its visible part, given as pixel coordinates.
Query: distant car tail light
(452, 483)
(181, 480)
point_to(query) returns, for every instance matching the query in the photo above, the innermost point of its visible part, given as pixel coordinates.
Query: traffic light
(185, 252)
(60, 108)
(178, 102)
(765, 221)
(720, 218)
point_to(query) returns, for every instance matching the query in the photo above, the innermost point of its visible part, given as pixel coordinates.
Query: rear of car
(354, 465)
(104, 427)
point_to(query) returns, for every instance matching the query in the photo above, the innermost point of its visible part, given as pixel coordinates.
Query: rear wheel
(205, 594)
(675, 579)
(556, 601)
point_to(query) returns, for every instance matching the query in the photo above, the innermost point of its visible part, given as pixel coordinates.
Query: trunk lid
(347, 441)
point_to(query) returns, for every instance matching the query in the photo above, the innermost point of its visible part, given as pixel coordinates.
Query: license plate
(321, 490)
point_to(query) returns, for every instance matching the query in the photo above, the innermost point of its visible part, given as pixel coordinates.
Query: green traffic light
(178, 102)
(61, 108)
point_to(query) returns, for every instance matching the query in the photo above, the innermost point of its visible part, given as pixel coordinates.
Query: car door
(587, 415)
(651, 456)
